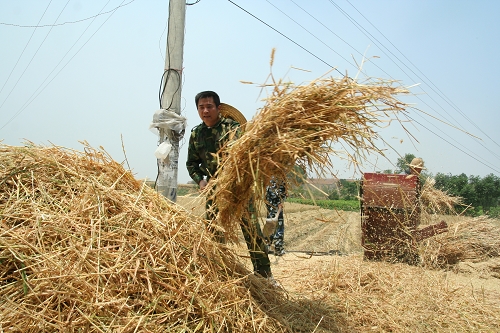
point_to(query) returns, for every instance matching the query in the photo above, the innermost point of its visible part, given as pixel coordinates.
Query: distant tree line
(483, 194)
(347, 190)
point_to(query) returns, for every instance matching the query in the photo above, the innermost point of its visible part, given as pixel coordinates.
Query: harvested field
(383, 297)
(84, 247)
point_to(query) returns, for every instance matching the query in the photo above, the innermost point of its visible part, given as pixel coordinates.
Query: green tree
(452, 184)
(480, 193)
(469, 194)
(488, 191)
(458, 184)
(402, 162)
(441, 181)
(349, 189)
(334, 195)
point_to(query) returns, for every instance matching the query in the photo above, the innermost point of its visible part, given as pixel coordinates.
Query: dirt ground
(316, 237)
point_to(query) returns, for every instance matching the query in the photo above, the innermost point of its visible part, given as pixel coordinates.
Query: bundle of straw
(299, 125)
(84, 247)
(435, 201)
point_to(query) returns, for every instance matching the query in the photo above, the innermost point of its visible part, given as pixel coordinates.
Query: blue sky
(98, 79)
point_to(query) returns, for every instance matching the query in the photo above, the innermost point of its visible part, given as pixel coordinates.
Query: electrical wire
(64, 23)
(455, 146)
(31, 60)
(471, 153)
(441, 94)
(374, 40)
(300, 25)
(25, 47)
(368, 34)
(437, 91)
(282, 34)
(33, 96)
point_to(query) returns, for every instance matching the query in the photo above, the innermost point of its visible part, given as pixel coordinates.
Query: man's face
(207, 111)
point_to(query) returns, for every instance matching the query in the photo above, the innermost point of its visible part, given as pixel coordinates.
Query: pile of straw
(466, 240)
(473, 240)
(301, 125)
(383, 297)
(84, 247)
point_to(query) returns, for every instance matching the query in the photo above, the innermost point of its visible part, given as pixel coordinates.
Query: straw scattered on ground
(434, 295)
(360, 295)
(383, 297)
(86, 247)
(471, 240)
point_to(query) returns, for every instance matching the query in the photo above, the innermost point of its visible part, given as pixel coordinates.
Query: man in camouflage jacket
(202, 162)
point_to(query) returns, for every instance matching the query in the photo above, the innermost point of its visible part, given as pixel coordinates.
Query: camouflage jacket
(275, 194)
(204, 144)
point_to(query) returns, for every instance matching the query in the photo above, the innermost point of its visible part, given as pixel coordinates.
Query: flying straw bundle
(86, 247)
(300, 125)
(435, 201)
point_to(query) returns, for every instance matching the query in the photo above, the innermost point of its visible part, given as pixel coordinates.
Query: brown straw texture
(299, 125)
(84, 247)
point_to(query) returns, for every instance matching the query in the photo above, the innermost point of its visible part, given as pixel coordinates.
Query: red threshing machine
(390, 217)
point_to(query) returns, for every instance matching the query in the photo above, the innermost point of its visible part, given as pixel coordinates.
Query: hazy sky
(97, 79)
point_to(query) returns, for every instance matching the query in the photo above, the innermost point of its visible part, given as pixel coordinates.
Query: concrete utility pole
(171, 98)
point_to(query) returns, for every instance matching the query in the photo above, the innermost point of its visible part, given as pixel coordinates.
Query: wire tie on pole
(174, 69)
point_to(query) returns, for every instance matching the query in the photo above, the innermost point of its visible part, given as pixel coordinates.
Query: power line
(33, 96)
(442, 95)
(360, 27)
(433, 87)
(64, 23)
(477, 158)
(33, 57)
(355, 23)
(311, 33)
(246, 11)
(378, 43)
(368, 34)
(490, 167)
(25, 47)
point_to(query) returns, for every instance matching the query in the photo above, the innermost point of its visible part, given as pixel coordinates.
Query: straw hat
(228, 111)
(417, 163)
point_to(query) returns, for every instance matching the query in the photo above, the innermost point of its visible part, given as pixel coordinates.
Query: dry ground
(319, 241)
(315, 236)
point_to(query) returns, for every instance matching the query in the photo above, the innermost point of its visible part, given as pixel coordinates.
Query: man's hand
(203, 183)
